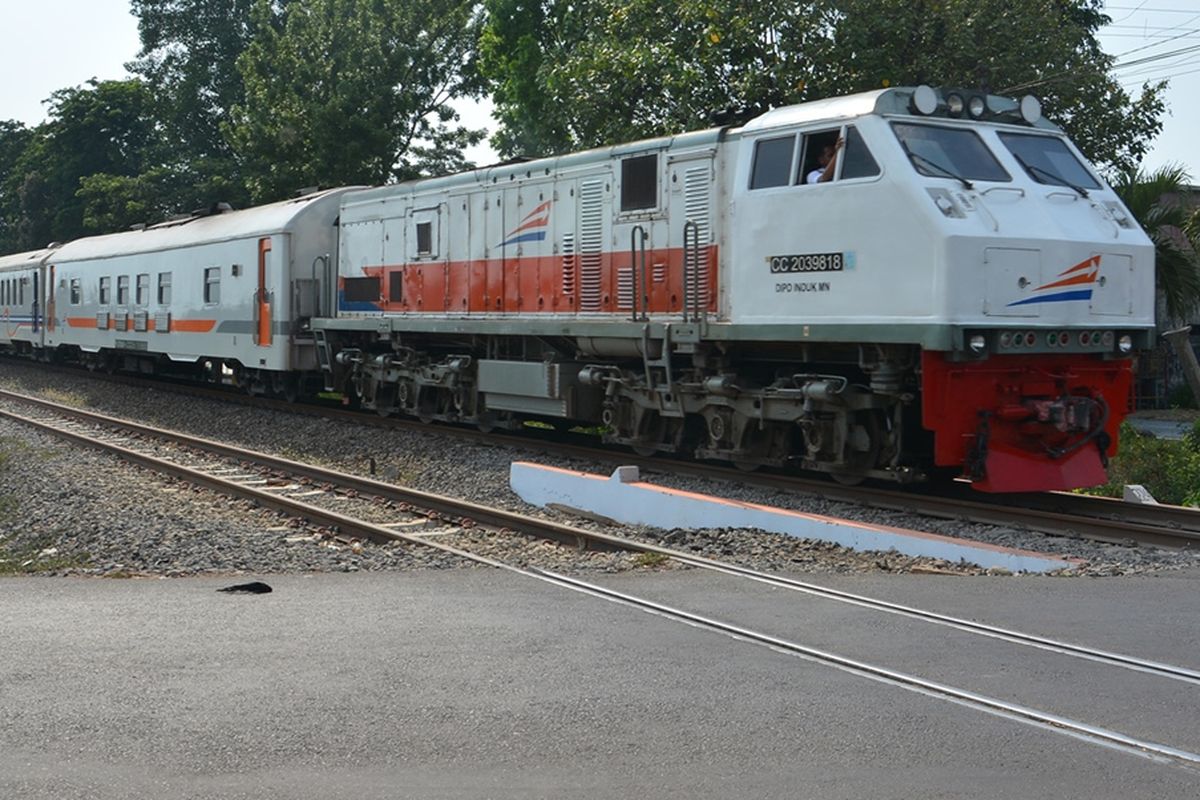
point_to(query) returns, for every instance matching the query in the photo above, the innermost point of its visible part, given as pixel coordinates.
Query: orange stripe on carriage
(177, 325)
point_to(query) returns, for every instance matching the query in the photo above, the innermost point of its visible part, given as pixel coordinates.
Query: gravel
(102, 516)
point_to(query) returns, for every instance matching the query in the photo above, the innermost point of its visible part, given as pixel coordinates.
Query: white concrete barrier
(624, 498)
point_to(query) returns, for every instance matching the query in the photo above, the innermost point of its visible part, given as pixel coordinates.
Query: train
(905, 284)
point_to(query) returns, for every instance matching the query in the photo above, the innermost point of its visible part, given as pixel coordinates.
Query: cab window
(944, 152)
(857, 161)
(1048, 160)
(772, 162)
(815, 147)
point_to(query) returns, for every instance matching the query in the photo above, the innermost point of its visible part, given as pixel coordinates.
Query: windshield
(1048, 160)
(948, 152)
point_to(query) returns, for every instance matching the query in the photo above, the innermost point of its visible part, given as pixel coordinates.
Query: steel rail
(468, 513)
(1052, 513)
(1155, 751)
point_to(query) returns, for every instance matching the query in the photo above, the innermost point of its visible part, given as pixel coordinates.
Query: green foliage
(352, 91)
(104, 127)
(1181, 397)
(569, 74)
(651, 560)
(189, 59)
(1169, 469)
(1155, 200)
(14, 139)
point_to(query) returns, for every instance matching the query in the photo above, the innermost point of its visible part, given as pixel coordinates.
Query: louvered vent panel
(568, 264)
(591, 243)
(695, 203)
(625, 287)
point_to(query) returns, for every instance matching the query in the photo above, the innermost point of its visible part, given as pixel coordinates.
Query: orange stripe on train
(177, 325)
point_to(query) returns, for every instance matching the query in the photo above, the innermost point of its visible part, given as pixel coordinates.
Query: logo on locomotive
(532, 228)
(1074, 283)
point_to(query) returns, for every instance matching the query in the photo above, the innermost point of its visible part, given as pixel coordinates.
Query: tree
(189, 59)
(353, 91)
(14, 139)
(104, 127)
(1002, 46)
(571, 73)
(1156, 201)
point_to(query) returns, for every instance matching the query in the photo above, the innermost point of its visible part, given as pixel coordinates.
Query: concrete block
(1136, 493)
(623, 497)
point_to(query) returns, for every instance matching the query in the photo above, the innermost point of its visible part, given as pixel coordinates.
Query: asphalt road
(480, 684)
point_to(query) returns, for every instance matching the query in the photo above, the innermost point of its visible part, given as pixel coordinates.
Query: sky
(1153, 39)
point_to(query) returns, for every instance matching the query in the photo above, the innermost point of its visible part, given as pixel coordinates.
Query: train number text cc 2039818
(807, 262)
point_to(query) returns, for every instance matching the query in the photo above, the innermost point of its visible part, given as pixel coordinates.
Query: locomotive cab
(963, 242)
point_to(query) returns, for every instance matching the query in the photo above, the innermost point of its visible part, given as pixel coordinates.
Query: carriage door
(50, 301)
(36, 300)
(263, 297)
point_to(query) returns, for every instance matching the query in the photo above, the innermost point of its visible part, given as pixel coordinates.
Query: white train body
(231, 288)
(959, 289)
(21, 281)
(959, 256)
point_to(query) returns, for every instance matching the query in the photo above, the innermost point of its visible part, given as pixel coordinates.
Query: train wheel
(862, 448)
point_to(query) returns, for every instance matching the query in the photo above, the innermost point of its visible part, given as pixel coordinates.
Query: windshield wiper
(1054, 178)
(949, 173)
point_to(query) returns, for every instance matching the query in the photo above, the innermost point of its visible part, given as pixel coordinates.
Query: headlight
(977, 343)
(925, 100)
(954, 104)
(1031, 109)
(1125, 344)
(977, 106)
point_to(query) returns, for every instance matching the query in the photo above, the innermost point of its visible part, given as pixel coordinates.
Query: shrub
(1169, 469)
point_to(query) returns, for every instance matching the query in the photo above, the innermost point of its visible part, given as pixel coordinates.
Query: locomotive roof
(30, 258)
(258, 221)
(896, 100)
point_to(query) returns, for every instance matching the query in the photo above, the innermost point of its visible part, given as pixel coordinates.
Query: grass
(651, 559)
(66, 398)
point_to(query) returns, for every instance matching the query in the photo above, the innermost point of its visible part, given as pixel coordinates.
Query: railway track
(1051, 513)
(264, 478)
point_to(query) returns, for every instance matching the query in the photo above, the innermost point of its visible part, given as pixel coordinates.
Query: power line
(1150, 10)
(1157, 56)
(1138, 83)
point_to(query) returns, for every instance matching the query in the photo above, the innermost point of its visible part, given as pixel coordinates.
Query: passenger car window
(164, 288)
(1048, 160)
(122, 290)
(948, 152)
(143, 289)
(76, 294)
(772, 162)
(212, 285)
(105, 290)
